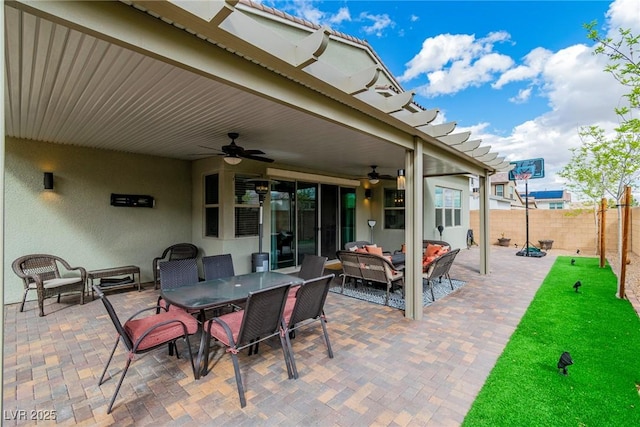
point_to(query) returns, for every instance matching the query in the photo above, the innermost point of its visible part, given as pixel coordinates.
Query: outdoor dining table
(210, 294)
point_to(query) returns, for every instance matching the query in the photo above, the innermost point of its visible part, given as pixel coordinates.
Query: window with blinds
(448, 207)
(247, 207)
(211, 205)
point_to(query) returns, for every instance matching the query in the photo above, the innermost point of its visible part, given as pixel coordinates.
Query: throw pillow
(432, 249)
(373, 249)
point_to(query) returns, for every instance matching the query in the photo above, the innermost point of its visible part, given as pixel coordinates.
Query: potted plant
(503, 241)
(545, 244)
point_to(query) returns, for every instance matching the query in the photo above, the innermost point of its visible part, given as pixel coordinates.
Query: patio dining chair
(260, 320)
(312, 266)
(306, 307)
(141, 335)
(217, 266)
(174, 274)
(40, 272)
(173, 253)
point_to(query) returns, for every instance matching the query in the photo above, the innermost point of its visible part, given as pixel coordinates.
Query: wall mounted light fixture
(48, 180)
(401, 180)
(368, 193)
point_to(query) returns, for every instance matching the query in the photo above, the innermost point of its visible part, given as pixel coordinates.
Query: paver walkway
(387, 370)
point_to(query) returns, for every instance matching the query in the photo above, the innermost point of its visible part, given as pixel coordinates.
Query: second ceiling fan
(233, 153)
(374, 177)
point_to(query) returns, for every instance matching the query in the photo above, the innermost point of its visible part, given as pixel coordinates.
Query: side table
(114, 272)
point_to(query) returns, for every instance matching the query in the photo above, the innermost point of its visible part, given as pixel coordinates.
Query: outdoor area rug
(377, 295)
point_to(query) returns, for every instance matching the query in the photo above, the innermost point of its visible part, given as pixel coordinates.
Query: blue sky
(520, 75)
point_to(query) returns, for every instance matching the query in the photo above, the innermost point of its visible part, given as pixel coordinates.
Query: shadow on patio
(386, 370)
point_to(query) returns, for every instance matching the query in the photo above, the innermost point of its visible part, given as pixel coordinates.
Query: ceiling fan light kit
(232, 160)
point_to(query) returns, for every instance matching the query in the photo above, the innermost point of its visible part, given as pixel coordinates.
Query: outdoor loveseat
(367, 267)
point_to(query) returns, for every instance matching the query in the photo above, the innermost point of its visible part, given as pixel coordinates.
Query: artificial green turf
(602, 334)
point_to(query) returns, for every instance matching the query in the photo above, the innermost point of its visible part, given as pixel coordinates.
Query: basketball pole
(526, 213)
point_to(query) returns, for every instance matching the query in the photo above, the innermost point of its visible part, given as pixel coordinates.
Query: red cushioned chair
(261, 319)
(306, 307)
(147, 333)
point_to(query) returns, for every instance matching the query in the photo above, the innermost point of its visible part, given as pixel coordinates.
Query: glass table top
(219, 292)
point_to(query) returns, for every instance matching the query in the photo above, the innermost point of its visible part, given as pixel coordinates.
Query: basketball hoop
(522, 175)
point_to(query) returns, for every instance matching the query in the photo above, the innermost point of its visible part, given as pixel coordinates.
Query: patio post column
(484, 223)
(414, 217)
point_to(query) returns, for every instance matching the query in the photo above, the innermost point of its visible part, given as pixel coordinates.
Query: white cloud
(453, 62)
(379, 23)
(414, 18)
(340, 17)
(522, 97)
(623, 14)
(533, 64)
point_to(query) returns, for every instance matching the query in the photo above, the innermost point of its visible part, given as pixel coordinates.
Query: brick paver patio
(387, 370)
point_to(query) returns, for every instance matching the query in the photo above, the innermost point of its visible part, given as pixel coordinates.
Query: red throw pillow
(361, 251)
(375, 250)
(443, 250)
(403, 249)
(432, 249)
(427, 259)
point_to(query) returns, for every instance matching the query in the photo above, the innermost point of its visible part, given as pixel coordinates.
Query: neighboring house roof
(551, 194)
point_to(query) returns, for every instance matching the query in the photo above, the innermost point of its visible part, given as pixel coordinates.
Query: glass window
(556, 205)
(247, 207)
(448, 204)
(500, 190)
(211, 205)
(393, 209)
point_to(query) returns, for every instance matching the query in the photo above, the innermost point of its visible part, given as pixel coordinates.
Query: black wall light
(48, 180)
(368, 193)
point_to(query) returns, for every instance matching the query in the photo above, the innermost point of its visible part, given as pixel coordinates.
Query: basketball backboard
(533, 167)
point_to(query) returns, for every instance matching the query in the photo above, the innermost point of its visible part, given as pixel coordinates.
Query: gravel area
(632, 272)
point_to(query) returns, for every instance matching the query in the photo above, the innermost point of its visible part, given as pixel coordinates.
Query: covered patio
(121, 97)
(387, 370)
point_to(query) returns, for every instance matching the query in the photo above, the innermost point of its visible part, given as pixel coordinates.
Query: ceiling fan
(233, 153)
(374, 177)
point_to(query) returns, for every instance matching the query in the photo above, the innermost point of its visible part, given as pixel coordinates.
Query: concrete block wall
(569, 229)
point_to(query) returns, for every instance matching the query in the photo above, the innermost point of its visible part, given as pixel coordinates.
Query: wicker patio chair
(439, 268)
(172, 253)
(40, 272)
(141, 335)
(260, 320)
(306, 307)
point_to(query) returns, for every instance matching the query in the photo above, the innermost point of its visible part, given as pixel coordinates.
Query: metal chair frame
(261, 320)
(132, 346)
(307, 309)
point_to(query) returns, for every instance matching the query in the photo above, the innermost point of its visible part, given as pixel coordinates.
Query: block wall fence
(569, 229)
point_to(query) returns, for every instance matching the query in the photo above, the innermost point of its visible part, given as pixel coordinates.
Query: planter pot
(545, 244)
(504, 241)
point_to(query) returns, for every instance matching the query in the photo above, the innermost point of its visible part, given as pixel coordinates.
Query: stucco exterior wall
(76, 220)
(569, 229)
(456, 236)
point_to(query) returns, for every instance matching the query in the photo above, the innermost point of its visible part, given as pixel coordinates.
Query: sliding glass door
(309, 218)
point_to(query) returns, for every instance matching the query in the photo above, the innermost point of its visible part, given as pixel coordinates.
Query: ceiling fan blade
(209, 148)
(387, 177)
(258, 158)
(252, 152)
